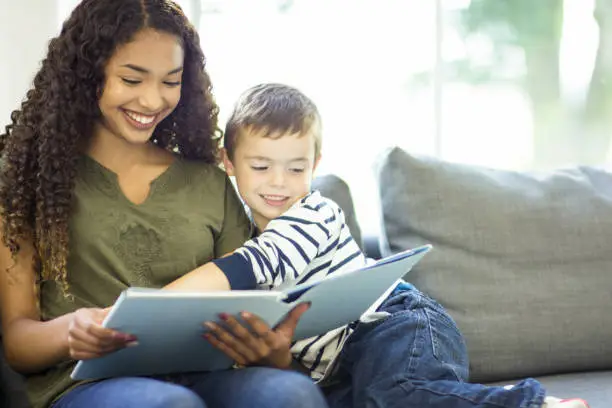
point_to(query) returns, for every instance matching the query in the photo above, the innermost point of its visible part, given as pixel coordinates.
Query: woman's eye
(131, 81)
(172, 83)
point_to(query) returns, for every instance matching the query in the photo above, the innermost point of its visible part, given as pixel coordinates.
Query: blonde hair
(273, 110)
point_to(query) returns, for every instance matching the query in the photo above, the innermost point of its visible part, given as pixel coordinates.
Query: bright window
(517, 84)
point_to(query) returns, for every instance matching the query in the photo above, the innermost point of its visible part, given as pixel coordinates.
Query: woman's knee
(290, 389)
(131, 393)
(172, 395)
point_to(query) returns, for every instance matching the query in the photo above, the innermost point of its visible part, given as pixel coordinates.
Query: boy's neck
(260, 224)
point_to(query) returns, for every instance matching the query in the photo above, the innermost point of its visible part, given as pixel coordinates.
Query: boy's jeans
(417, 358)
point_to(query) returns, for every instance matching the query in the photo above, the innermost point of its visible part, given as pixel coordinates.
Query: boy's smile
(275, 200)
(272, 173)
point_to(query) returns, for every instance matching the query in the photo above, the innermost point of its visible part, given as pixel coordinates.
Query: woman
(109, 180)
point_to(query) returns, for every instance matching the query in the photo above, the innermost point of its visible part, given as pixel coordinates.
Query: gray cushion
(523, 262)
(593, 387)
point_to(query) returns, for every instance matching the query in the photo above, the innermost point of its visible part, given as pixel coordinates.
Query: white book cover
(169, 324)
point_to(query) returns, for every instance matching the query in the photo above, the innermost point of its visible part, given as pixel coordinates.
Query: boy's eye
(131, 81)
(296, 170)
(259, 168)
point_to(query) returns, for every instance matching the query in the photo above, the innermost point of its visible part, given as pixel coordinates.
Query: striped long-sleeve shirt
(308, 242)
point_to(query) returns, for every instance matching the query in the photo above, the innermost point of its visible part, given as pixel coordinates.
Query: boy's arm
(282, 252)
(207, 277)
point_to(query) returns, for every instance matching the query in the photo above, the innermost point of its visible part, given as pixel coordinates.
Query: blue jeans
(417, 358)
(245, 388)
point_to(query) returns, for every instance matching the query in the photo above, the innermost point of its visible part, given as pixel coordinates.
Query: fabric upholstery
(522, 261)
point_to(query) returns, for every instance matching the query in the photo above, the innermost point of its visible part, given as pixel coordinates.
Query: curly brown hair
(40, 148)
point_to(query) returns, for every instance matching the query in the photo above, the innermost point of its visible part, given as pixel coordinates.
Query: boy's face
(272, 173)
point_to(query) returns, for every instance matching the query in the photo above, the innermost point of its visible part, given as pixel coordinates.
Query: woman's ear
(227, 163)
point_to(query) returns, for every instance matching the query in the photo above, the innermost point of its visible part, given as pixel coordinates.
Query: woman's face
(142, 85)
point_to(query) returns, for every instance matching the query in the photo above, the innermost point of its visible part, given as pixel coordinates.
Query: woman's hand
(88, 339)
(256, 344)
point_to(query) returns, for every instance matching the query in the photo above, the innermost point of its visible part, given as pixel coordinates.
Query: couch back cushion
(522, 261)
(336, 189)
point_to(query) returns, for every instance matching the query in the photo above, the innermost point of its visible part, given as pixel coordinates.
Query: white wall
(25, 30)
(27, 26)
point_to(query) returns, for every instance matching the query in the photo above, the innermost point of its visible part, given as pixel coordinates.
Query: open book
(169, 324)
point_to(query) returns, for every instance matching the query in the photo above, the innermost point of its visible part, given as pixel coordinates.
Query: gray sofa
(522, 261)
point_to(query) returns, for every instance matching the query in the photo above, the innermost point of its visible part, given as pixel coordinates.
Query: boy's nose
(278, 178)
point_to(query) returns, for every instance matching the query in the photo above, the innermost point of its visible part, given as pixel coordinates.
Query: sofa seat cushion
(593, 387)
(522, 261)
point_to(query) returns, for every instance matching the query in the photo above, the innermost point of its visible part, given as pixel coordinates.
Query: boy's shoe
(551, 402)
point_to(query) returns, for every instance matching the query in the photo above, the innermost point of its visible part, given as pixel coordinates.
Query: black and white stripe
(307, 243)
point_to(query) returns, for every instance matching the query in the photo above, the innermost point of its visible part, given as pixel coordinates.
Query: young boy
(408, 353)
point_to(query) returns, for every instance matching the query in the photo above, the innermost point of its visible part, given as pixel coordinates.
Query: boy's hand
(88, 339)
(260, 345)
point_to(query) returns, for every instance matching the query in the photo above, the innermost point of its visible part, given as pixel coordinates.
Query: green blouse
(191, 215)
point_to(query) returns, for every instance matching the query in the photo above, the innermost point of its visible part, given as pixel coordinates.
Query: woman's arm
(30, 345)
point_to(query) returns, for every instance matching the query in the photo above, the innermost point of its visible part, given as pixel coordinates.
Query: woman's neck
(119, 155)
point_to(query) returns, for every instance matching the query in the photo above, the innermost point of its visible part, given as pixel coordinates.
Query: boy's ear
(227, 163)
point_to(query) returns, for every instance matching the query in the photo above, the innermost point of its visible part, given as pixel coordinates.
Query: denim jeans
(245, 388)
(416, 358)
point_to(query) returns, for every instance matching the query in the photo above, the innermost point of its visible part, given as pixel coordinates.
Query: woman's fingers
(292, 319)
(240, 343)
(228, 351)
(260, 329)
(88, 339)
(252, 337)
(252, 341)
(84, 341)
(84, 355)
(108, 336)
